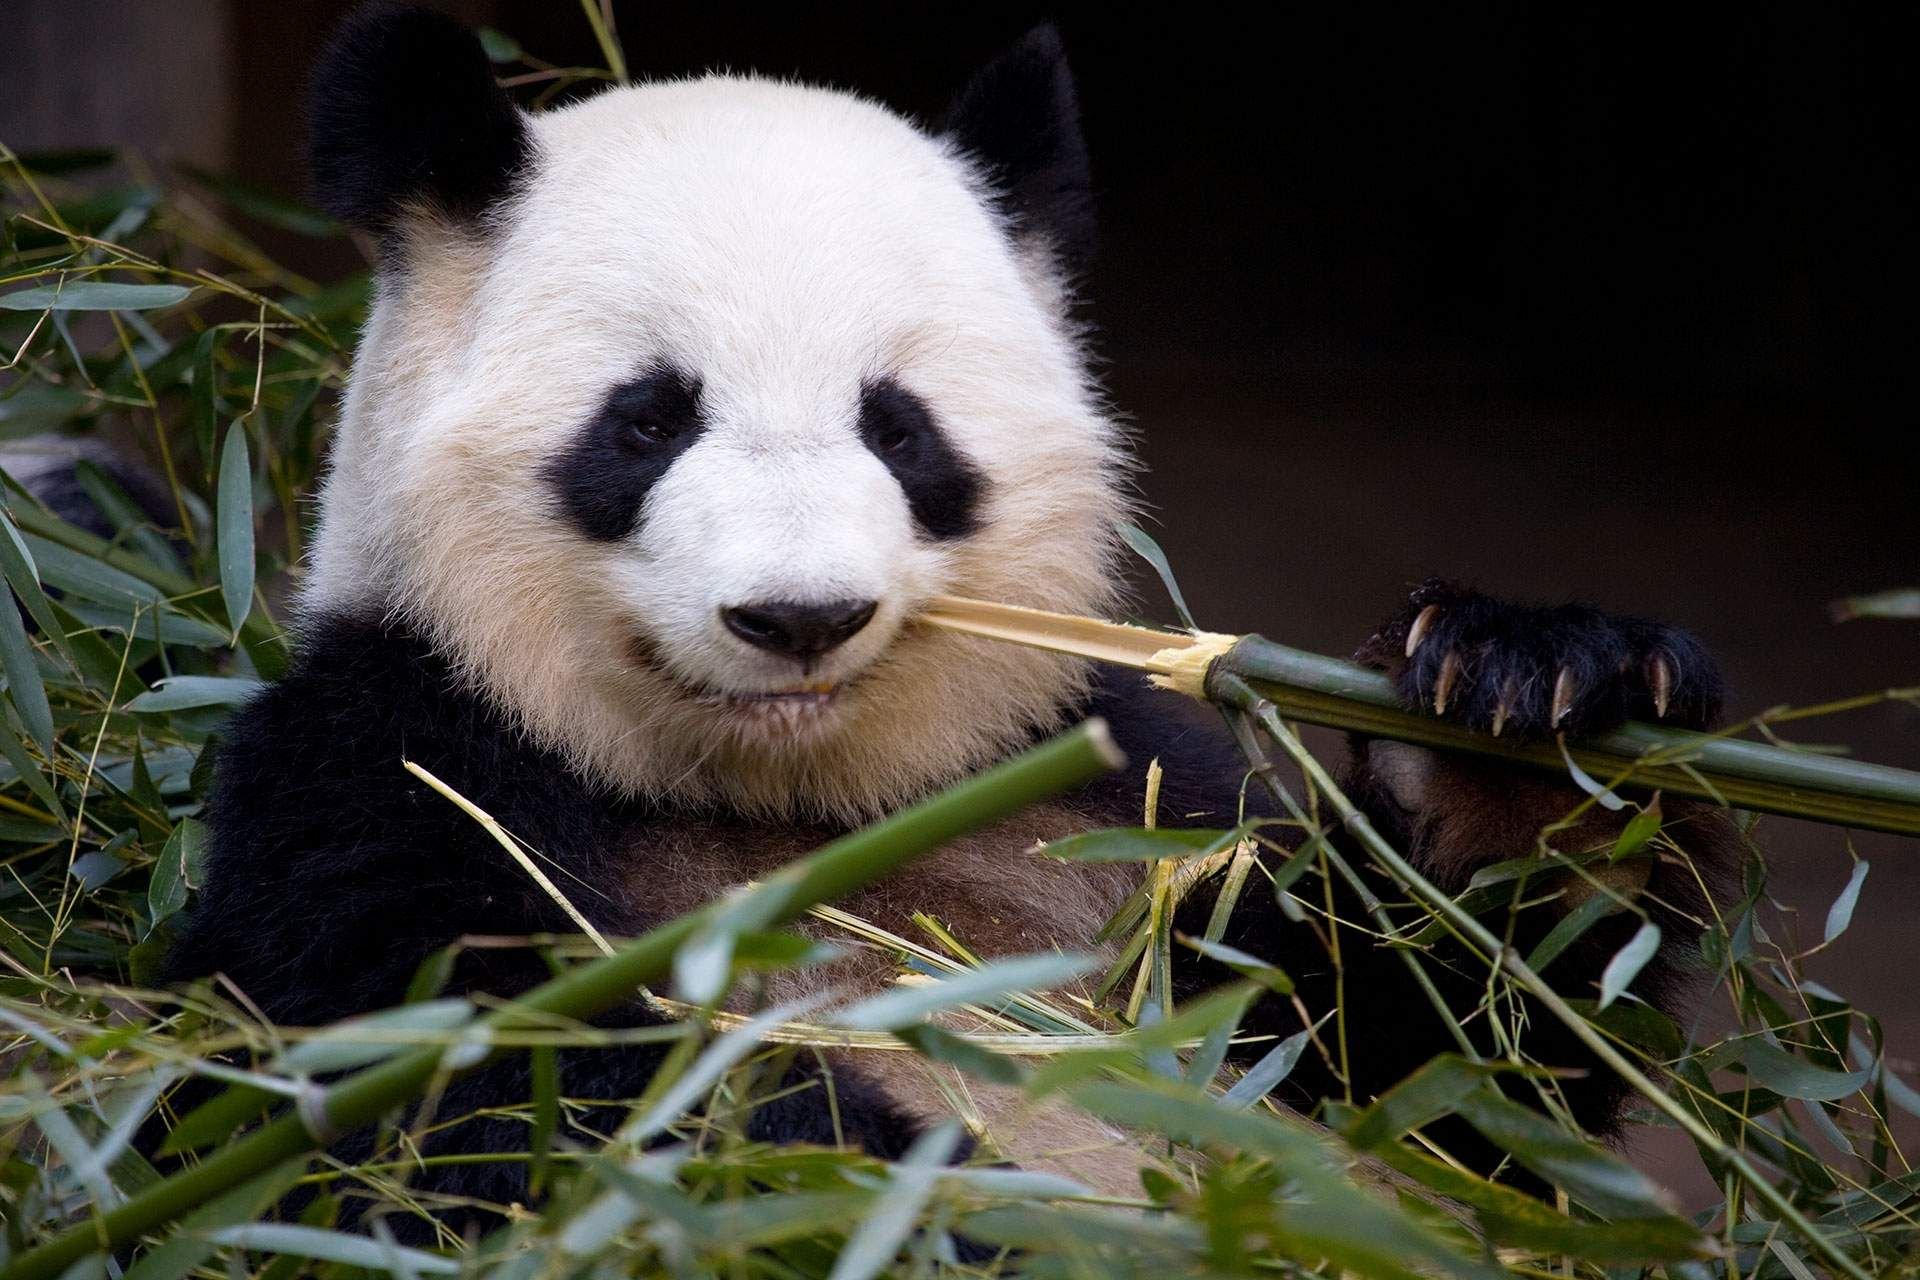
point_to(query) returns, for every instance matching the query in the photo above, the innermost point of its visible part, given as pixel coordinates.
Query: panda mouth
(784, 708)
(812, 695)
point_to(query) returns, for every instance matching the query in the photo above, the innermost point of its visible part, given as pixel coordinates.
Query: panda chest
(993, 892)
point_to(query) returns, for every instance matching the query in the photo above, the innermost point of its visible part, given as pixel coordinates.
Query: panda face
(669, 448)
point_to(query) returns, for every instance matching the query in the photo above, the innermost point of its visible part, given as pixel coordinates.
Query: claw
(1443, 687)
(1563, 692)
(1418, 631)
(1660, 680)
(1504, 708)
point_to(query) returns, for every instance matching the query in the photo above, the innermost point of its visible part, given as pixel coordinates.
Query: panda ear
(1020, 119)
(404, 111)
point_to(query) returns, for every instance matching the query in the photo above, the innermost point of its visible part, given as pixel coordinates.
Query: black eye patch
(641, 427)
(943, 489)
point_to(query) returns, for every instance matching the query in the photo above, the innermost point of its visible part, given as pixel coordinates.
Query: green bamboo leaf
(1642, 828)
(23, 678)
(29, 772)
(189, 1246)
(1519, 1220)
(1791, 1077)
(80, 574)
(233, 520)
(1586, 781)
(1628, 961)
(875, 1242)
(1270, 976)
(94, 295)
(1596, 1177)
(944, 1046)
(1840, 914)
(714, 1061)
(500, 47)
(334, 1246)
(173, 871)
(1273, 1068)
(374, 1037)
(1435, 1090)
(1147, 549)
(1569, 928)
(179, 693)
(990, 983)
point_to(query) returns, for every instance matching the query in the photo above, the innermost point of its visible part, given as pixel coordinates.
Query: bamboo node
(1183, 668)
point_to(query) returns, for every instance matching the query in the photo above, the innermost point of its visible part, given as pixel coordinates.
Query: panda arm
(1451, 815)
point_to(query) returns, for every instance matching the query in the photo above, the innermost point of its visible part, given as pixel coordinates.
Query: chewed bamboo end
(1183, 669)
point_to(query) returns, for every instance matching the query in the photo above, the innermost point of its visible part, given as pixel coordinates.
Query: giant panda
(674, 405)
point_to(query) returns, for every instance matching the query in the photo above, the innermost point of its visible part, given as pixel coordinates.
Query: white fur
(783, 243)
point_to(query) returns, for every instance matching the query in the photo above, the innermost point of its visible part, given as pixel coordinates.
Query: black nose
(799, 630)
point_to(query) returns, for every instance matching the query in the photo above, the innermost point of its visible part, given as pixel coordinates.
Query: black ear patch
(1019, 116)
(943, 489)
(404, 108)
(642, 427)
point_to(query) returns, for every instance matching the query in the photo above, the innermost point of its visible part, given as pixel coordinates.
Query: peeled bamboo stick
(1341, 695)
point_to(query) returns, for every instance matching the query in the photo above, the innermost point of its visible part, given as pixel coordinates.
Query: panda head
(676, 403)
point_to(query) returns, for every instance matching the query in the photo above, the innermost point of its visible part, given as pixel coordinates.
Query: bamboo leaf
(23, 678)
(233, 521)
(1628, 961)
(1597, 1178)
(1840, 914)
(1273, 1068)
(1641, 828)
(94, 295)
(989, 983)
(876, 1241)
(1147, 549)
(334, 1246)
(167, 891)
(1791, 1077)
(180, 693)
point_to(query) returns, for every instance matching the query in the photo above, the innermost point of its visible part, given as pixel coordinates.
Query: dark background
(1600, 304)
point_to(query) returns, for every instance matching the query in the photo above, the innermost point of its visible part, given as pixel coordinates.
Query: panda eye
(652, 431)
(893, 440)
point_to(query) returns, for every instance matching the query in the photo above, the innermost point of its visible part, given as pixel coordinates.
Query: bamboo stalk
(1341, 695)
(846, 864)
(1244, 697)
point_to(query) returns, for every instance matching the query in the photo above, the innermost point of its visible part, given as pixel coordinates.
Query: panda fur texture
(674, 404)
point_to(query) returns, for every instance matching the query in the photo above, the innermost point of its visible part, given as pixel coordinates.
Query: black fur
(334, 874)
(943, 489)
(404, 108)
(1019, 116)
(642, 426)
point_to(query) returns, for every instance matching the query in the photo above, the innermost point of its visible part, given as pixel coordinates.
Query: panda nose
(803, 631)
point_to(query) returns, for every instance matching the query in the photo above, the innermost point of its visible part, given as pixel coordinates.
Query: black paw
(1529, 671)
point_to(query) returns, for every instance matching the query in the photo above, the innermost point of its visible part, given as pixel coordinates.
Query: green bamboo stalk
(839, 868)
(1751, 775)
(1342, 695)
(1240, 694)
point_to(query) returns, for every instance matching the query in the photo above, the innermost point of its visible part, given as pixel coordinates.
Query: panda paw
(1528, 671)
